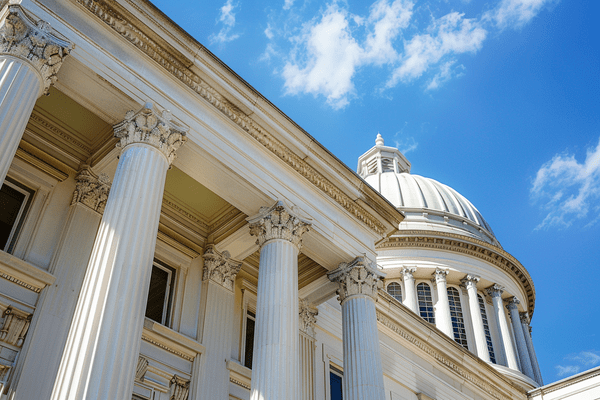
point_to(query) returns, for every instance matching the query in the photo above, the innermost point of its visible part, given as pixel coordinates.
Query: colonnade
(102, 344)
(515, 339)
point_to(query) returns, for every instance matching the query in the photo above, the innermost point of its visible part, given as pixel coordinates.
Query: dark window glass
(249, 346)
(486, 328)
(159, 294)
(395, 290)
(458, 322)
(425, 302)
(14, 201)
(335, 384)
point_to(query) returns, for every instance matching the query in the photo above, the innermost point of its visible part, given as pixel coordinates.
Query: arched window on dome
(425, 302)
(395, 290)
(486, 328)
(458, 322)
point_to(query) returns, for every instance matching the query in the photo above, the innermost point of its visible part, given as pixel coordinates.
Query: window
(486, 328)
(425, 302)
(458, 322)
(14, 203)
(249, 340)
(160, 295)
(335, 383)
(395, 290)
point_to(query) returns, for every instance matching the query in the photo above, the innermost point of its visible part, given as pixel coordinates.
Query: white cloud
(288, 4)
(515, 13)
(568, 189)
(387, 21)
(449, 35)
(447, 71)
(578, 362)
(227, 18)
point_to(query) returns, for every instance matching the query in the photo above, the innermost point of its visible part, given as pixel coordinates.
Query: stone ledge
(23, 273)
(171, 341)
(239, 375)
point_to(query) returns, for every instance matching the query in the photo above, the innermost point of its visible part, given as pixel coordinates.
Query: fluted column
(532, 357)
(275, 361)
(31, 53)
(409, 287)
(58, 303)
(307, 320)
(358, 282)
(520, 338)
(104, 339)
(443, 320)
(217, 304)
(470, 281)
(509, 350)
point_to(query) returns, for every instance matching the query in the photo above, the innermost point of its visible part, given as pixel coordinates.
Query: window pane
(486, 328)
(458, 322)
(425, 302)
(159, 283)
(395, 290)
(11, 201)
(335, 385)
(249, 341)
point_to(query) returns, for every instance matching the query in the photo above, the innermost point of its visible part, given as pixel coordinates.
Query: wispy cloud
(288, 4)
(227, 19)
(576, 363)
(515, 13)
(569, 190)
(447, 71)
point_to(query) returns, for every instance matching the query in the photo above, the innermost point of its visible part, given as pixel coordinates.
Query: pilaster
(307, 320)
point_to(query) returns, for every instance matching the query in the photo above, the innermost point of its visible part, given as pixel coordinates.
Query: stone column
(104, 339)
(534, 363)
(443, 320)
(217, 305)
(409, 287)
(509, 350)
(520, 338)
(58, 303)
(307, 322)
(31, 53)
(358, 282)
(470, 281)
(275, 361)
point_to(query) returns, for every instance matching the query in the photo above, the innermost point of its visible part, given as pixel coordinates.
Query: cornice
(120, 23)
(565, 383)
(466, 245)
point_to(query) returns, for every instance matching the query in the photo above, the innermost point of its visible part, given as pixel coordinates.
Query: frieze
(119, 23)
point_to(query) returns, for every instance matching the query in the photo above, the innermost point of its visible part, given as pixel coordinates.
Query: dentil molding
(91, 190)
(148, 127)
(358, 277)
(278, 222)
(33, 41)
(219, 267)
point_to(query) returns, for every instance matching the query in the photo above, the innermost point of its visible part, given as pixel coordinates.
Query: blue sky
(498, 99)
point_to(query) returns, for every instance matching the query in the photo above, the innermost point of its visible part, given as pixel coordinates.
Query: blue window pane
(335, 384)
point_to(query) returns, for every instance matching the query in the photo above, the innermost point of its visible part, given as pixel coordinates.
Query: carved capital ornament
(440, 275)
(91, 190)
(495, 291)
(358, 277)
(308, 317)
(148, 127)
(220, 268)
(34, 42)
(278, 222)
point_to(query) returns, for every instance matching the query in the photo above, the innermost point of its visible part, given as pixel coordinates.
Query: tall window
(335, 383)
(395, 290)
(249, 339)
(160, 294)
(486, 328)
(14, 202)
(458, 322)
(425, 302)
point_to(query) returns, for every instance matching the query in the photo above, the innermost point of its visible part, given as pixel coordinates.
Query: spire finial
(379, 140)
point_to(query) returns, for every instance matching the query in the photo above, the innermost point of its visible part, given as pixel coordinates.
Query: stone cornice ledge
(24, 274)
(465, 245)
(430, 340)
(382, 219)
(171, 341)
(239, 374)
(563, 383)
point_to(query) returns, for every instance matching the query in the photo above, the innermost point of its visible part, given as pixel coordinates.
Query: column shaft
(477, 319)
(101, 353)
(520, 339)
(409, 287)
(275, 358)
(534, 363)
(443, 319)
(509, 350)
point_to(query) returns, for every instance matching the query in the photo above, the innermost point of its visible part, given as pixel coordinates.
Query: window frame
(430, 318)
(22, 214)
(335, 370)
(390, 283)
(170, 291)
(486, 328)
(464, 341)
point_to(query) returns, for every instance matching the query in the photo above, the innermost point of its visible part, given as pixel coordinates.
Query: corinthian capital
(91, 190)
(440, 275)
(513, 304)
(407, 272)
(220, 268)
(148, 127)
(358, 277)
(308, 317)
(495, 291)
(33, 41)
(278, 222)
(470, 281)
